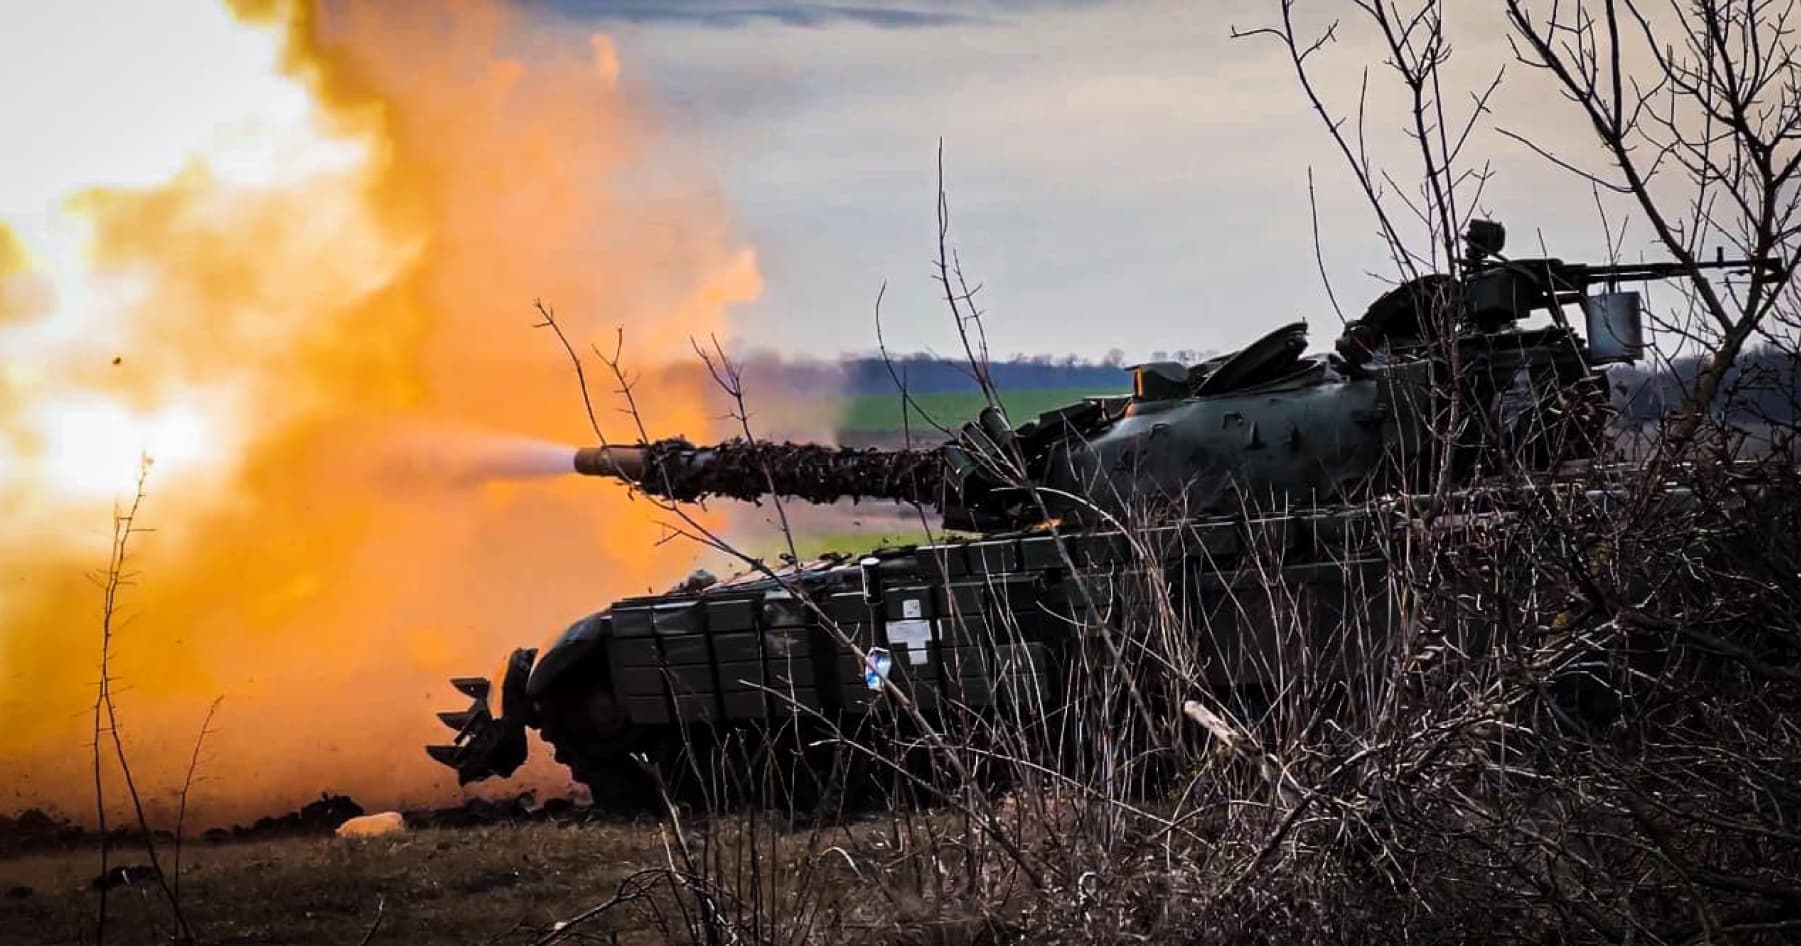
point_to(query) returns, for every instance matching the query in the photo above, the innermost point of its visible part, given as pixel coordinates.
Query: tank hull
(943, 634)
(1437, 388)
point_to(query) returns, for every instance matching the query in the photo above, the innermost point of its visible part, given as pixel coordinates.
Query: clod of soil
(127, 875)
(33, 830)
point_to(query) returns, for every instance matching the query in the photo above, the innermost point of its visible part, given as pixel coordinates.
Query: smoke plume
(305, 289)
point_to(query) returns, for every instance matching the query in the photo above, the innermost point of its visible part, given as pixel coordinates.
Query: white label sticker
(914, 634)
(910, 608)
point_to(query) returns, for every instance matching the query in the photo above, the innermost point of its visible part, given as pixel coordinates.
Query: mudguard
(568, 650)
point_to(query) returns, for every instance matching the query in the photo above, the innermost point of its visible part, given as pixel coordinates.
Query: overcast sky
(1121, 174)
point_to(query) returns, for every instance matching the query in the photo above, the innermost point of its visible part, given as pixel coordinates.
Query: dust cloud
(305, 290)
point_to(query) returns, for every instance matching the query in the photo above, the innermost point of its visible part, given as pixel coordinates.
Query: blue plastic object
(875, 669)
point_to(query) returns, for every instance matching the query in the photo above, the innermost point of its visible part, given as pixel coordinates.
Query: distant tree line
(929, 374)
(926, 373)
(1763, 385)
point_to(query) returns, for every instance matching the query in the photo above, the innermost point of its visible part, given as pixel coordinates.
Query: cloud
(730, 14)
(1121, 174)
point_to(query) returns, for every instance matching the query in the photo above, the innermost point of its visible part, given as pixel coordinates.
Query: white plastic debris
(371, 826)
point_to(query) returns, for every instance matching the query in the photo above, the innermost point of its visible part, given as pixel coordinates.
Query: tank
(1268, 451)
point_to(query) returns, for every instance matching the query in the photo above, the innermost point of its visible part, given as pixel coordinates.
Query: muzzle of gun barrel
(619, 462)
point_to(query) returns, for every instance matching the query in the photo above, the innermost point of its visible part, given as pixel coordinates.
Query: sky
(1120, 174)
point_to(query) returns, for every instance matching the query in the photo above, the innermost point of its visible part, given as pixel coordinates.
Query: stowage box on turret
(1266, 447)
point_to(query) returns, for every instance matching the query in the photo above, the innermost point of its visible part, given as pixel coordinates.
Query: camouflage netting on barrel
(740, 469)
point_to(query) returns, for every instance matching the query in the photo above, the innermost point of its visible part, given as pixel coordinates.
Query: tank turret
(1267, 423)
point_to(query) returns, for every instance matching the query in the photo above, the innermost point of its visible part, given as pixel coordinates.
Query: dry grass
(500, 885)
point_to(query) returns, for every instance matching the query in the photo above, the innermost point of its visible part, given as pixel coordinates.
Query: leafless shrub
(1508, 706)
(112, 582)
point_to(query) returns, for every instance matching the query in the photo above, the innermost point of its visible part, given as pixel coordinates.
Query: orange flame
(341, 270)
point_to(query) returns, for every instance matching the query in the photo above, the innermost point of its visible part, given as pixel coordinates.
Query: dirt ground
(502, 885)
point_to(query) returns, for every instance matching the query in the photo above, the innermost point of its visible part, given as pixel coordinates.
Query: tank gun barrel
(1580, 276)
(618, 461)
(1486, 238)
(739, 469)
(1770, 265)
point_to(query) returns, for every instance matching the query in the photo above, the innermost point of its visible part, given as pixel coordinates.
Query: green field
(849, 542)
(883, 412)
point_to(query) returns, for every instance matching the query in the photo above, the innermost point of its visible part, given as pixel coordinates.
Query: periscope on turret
(1266, 431)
